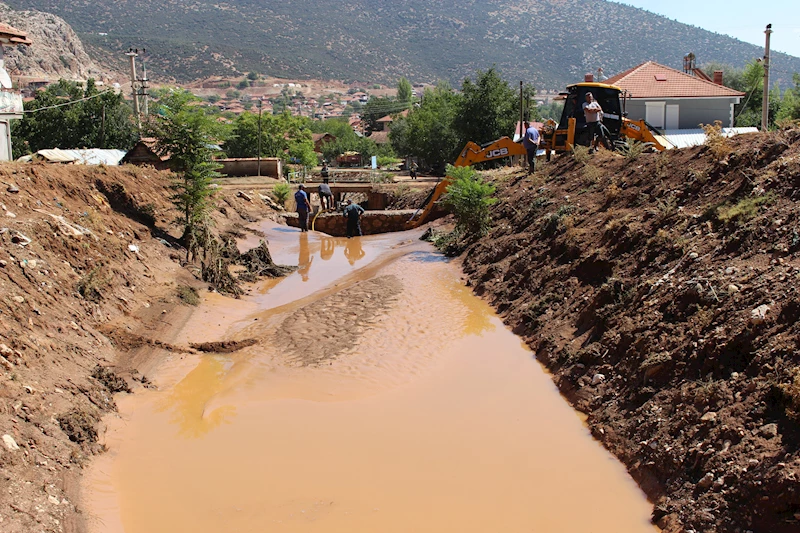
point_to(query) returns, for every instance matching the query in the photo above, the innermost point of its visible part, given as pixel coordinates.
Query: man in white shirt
(594, 115)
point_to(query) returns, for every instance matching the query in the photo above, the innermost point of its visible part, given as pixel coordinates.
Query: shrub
(718, 144)
(581, 153)
(469, 198)
(631, 149)
(281, 192)
(591, 174)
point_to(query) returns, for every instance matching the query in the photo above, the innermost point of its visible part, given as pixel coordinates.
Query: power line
(68, 103)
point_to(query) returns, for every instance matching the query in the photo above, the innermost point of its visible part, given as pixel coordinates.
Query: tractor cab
(608, 96)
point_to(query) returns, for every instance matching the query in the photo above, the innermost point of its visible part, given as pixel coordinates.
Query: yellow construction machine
(470, 155)
(616, 128)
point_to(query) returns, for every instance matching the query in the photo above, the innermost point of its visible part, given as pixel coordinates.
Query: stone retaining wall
(372, 222)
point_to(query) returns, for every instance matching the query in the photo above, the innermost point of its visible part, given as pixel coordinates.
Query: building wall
(693, 111)
(270, 167)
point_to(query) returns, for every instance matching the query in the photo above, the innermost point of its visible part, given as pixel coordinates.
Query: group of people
(352, 212)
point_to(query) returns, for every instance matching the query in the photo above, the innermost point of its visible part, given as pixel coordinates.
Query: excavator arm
(470, 155)
(502, 147)
(641, 131)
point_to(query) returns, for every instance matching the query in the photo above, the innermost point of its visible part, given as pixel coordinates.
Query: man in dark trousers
(303, 206)
(353, 214)
(531, 144)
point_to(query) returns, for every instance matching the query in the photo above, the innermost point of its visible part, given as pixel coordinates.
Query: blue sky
(744, 20)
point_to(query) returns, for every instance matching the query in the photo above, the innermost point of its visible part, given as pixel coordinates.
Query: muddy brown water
(382, 397)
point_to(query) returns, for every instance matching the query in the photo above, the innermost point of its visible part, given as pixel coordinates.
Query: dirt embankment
(87, 266)
(662, 293)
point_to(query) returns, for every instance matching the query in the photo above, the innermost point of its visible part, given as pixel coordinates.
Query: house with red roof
(670, 99)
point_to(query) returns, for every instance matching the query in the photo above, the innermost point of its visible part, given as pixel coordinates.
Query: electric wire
(71, 102)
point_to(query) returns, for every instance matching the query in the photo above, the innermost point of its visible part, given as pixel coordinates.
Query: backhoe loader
(616, 128)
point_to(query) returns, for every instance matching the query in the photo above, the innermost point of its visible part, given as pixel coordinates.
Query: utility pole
(144, 85)
(134, 88)
(521, 112)
(765, 101)
(260, 105)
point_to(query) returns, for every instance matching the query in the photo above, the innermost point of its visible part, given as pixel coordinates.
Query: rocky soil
(89, 268)
(56, 52)
(661, 291)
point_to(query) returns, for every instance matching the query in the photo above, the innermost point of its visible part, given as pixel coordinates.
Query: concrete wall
(270, 167)
(692, 111)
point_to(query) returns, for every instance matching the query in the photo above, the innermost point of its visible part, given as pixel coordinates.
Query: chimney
(718, 77)
(588, 77)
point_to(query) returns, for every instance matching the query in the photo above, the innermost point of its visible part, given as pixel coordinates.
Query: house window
(654, 113)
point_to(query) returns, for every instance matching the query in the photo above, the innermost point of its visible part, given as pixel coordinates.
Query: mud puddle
(388, 399)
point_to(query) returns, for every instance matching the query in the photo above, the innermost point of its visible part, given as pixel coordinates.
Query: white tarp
(91, 156)
(696, 137)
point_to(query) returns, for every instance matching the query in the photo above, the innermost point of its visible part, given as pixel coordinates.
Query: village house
(144, 153)
(673, 100)
(11, 106)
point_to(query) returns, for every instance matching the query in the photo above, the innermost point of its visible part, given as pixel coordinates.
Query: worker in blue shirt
(353, 214)
(303, 206)
(531, 144)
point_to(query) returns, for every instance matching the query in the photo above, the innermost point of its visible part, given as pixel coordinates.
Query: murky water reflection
(437, 419)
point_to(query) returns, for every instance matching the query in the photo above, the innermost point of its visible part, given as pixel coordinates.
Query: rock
(694, 255)
(10, 443)
(706, 481)
(244, 196)
(597, 379)
(3, 263)
(759, 314)
(719, 483)
(19, 238)
(19, 299)
(9, 214)
(710, 416)
(53, 500)
(13, 189)
(133, 248)
(770, 431)
(732, 288)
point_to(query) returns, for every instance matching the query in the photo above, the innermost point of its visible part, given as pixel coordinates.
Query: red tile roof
(12, 35)
(643, 82)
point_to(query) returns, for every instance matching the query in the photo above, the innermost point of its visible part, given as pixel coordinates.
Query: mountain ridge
(543, 42)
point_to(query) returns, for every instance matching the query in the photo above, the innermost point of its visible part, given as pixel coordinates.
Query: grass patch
(188, 295)
(743, 210)
(631, 149)
(92, 284)
(281, 192)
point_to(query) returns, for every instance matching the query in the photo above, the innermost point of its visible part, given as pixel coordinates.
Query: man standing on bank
(353, 214)
(593, 114)
(303, 206)
(531, 144)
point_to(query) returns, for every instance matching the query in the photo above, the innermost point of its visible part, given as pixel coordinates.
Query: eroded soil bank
(661, 291)
(381, 395)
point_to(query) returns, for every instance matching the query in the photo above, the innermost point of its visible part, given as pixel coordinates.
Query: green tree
(90, 119)
(379, 107)
(469, 198)
(185, 133)
(789, 108)
(404, 90)
(252, 76)
(428, 132)
(489, 108)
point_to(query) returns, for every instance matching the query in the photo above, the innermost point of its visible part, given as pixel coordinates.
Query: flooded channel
(382, 397)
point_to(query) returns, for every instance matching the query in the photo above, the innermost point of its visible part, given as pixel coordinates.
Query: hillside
(57, 52)
(544, 42)
(661, 293)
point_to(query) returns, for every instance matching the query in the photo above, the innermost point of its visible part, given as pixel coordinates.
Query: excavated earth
(90, 270)
(661, 291)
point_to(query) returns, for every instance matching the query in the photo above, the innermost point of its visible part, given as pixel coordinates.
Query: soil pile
(89, 262)
(661, 291)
